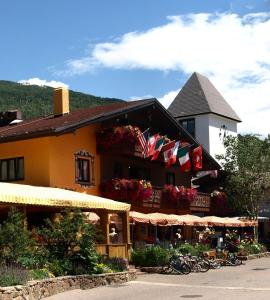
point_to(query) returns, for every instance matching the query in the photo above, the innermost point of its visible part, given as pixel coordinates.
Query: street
(248, 281)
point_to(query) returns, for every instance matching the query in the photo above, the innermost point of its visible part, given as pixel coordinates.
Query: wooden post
(104, 225)
(126, 227)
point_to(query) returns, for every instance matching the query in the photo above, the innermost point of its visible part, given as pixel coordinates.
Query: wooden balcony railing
(202, 201)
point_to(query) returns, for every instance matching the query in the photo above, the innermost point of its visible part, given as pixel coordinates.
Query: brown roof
(51, 125)
(199, 96)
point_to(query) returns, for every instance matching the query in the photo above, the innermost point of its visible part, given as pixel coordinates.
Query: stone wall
(39, 289)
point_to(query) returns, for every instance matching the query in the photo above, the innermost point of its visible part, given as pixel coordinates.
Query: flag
(172, 159)
(152, 144)
(183, 158)
(158, 147)
(168, 151)
(143, 141)
(197, 158)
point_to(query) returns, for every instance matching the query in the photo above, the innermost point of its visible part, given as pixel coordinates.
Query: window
(139, 173)
(170, 178)
(84, 164)
(12, 169)
(118, 170)
(189, 125)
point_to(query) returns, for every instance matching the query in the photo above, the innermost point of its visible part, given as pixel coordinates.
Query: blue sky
(133, 49)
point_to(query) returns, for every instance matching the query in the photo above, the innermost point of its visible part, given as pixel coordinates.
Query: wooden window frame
(89, 158)
(16, 171)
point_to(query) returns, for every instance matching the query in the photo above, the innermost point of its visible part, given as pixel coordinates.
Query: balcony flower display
(117, 136)
(179, 193)
(127, 189)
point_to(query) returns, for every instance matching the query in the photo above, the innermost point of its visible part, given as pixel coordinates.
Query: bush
(13, 275)
(69, 242)
(15, 239)
(101, 268)
(193, 250)
(116, 264)
(187, 249)
(246, 248)
(150, 257)
(138, 257)
(40, 274)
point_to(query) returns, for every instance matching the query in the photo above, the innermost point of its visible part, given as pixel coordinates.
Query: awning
(91, 217)
(166, 219)
(54, 197)
(188, 220)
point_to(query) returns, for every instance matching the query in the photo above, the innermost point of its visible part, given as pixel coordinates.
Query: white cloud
(233, 51)
(134, 98)
(167, 99)
(42, 82)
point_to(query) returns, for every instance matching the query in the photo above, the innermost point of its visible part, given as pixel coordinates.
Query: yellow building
(61, 150)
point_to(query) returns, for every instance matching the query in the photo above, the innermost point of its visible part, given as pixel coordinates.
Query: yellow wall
(62, 160)
(36, 159)
(50, 161)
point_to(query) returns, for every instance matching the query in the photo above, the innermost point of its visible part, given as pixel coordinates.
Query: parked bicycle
(177, 265)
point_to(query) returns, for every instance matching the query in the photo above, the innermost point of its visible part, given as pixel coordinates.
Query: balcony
(141, 194)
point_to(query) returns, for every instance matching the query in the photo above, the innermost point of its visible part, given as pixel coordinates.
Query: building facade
(62, 150)
(202, 110)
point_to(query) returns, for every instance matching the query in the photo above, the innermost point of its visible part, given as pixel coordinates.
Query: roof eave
(209, 112)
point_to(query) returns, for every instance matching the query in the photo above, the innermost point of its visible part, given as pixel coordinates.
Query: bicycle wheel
(215, 265)
(185, 269)
(204, 266)
(235, 262)
(176, 266)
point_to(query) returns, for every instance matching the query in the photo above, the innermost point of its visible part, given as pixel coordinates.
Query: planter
(254, 256)
(158, 270)
(39, 289)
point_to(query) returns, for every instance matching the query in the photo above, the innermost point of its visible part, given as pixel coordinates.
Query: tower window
(189, 125)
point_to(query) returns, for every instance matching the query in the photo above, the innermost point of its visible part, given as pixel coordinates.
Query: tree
(15, 239)
(247, 162)
(70, 242)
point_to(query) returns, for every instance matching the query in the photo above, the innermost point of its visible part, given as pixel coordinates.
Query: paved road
(249, 281)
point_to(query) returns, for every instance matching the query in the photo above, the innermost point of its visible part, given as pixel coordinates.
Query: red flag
(152, 144)
(197, 158)
(168, 151)
(172, 158)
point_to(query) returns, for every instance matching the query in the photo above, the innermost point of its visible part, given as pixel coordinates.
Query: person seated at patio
(178, 237)
(113, 236)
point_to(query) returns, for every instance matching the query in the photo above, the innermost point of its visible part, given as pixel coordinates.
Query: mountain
(35, 101)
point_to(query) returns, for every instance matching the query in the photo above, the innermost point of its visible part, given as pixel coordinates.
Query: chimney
(10, 116)
(61, 101)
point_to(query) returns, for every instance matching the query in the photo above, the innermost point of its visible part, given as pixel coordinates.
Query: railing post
(104, 225)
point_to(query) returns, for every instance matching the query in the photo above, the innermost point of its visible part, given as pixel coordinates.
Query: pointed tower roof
(199, 96)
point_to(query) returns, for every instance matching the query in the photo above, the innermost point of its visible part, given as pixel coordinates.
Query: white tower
(202, 110)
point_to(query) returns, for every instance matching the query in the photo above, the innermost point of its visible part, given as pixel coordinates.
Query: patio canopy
(188, 220)
(54, 197)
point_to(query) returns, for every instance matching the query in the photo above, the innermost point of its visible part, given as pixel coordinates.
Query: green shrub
(193, 249)
(246, 248)
(15, 240)
(69, 242)
(187, 249)
(13, 275)
(40, 274)
(150, 257)
(199, 248)
(116, 264)
(138, 257)
(101, 268)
